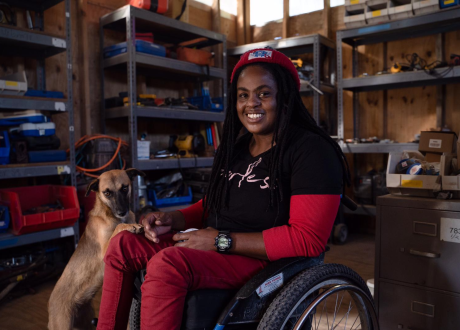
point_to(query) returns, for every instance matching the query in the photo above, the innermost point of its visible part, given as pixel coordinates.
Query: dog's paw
(136, 229)
(132, 228)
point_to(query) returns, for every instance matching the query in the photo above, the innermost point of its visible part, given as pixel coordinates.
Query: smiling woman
(274, 193)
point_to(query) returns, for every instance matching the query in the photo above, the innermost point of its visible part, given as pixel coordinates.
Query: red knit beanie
(267, 55)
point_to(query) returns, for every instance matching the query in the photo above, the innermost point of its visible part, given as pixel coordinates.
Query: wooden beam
(240, 34)
(215, 23)
(441, 89)
(326, 30)
(285, 19)
(247, 22)
(86, 125)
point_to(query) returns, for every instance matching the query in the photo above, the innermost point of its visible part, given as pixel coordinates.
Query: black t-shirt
(310, 166)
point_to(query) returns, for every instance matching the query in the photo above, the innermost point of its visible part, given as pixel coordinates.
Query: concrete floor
(29, 312)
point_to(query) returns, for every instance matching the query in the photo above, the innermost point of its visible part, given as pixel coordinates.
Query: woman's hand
(202, 239)
(156, 224)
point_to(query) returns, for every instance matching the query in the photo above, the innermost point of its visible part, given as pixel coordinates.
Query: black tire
(307, 284)
(135, 315)
(340, 234)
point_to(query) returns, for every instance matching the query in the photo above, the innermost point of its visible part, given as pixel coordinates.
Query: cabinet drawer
(411, 250)
(403, 307)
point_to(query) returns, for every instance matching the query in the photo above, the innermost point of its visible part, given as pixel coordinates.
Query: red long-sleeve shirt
(311, 218)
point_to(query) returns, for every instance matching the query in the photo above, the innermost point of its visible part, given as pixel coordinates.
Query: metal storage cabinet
(416, 272)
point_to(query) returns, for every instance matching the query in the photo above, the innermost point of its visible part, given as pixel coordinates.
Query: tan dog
(69, 306)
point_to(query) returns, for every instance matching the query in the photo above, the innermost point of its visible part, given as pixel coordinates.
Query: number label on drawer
(450, 230)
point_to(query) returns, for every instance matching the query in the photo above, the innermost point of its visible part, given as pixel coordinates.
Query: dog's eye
(125, 189)
(107, 193)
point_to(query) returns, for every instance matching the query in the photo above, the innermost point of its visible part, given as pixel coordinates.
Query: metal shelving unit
(315, 44)
(130, 20)
(166, 113)
(18, 42)
(174, 163)
(9, 240)
(439, 22)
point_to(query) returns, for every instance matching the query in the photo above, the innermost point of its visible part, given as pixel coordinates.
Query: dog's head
(114, 190)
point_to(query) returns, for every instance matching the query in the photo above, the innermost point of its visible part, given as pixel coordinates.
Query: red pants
(171, 273)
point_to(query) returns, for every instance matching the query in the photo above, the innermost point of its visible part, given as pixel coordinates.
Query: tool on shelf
(187, 146)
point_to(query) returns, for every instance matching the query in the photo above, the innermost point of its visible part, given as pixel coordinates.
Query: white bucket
(370, 285)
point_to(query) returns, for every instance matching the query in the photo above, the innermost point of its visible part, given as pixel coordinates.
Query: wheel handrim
(316, 315)
(358, 301)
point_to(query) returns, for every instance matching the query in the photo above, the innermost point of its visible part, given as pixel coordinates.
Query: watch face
(223, 242)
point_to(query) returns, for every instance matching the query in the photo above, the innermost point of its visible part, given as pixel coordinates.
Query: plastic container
(143, 149)
(19, 200)
(141, 47)
(425, 6)
(449, 182)
(47, 94)
(169, 201)
(206, 103)
(355, 5)
(15, 84)
(4, 219)
(354, 19)
(400, 9)
(377, 13)
(41, 129)
(5, 148)
(46, 156)
(448, 3)
(22, 117)
(410, 185)
(39, 142)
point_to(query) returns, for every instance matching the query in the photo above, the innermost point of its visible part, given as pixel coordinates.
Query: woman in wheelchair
(274, 193)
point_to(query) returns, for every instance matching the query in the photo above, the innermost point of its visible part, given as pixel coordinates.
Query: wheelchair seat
(304, 285)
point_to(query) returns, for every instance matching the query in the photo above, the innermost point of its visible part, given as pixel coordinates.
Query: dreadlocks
(290, 110)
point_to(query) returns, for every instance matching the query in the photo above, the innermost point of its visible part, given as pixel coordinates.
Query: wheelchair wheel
(135, 315)
(328, 296)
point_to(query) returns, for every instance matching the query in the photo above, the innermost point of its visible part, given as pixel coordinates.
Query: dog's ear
(132, 172)
(93, 186)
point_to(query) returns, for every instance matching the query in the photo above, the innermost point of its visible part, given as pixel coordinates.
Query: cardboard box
(449, 182)
(437, 142)
(432, 157)
(410, 185)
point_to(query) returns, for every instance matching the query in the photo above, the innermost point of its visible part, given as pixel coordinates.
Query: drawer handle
(425, 254)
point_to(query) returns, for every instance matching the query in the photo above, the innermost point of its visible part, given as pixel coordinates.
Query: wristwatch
(223, 242)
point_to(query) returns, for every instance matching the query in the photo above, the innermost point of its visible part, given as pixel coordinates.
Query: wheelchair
(289, 294)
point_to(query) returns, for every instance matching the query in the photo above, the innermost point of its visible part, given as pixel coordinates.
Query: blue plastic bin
(448, 3)
(47, 156)
(141, 47)
(4, 219)
(152, 196)
(4, 148)
(205, 103)
(47, 94)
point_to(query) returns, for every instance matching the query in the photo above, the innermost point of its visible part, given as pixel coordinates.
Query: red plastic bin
(21, 199)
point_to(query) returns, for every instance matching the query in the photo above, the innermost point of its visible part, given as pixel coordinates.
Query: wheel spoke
(346, 314)
(354, 322)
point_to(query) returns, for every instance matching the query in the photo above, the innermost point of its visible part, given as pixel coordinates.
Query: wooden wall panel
(269, 31)
(305, 24)
(228, 27)
(200, 17)
(411, 110)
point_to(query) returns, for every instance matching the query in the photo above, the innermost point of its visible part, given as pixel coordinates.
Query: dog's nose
(122, 214)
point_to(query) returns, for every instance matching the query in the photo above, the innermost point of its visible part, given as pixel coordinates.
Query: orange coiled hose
(85, 139)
